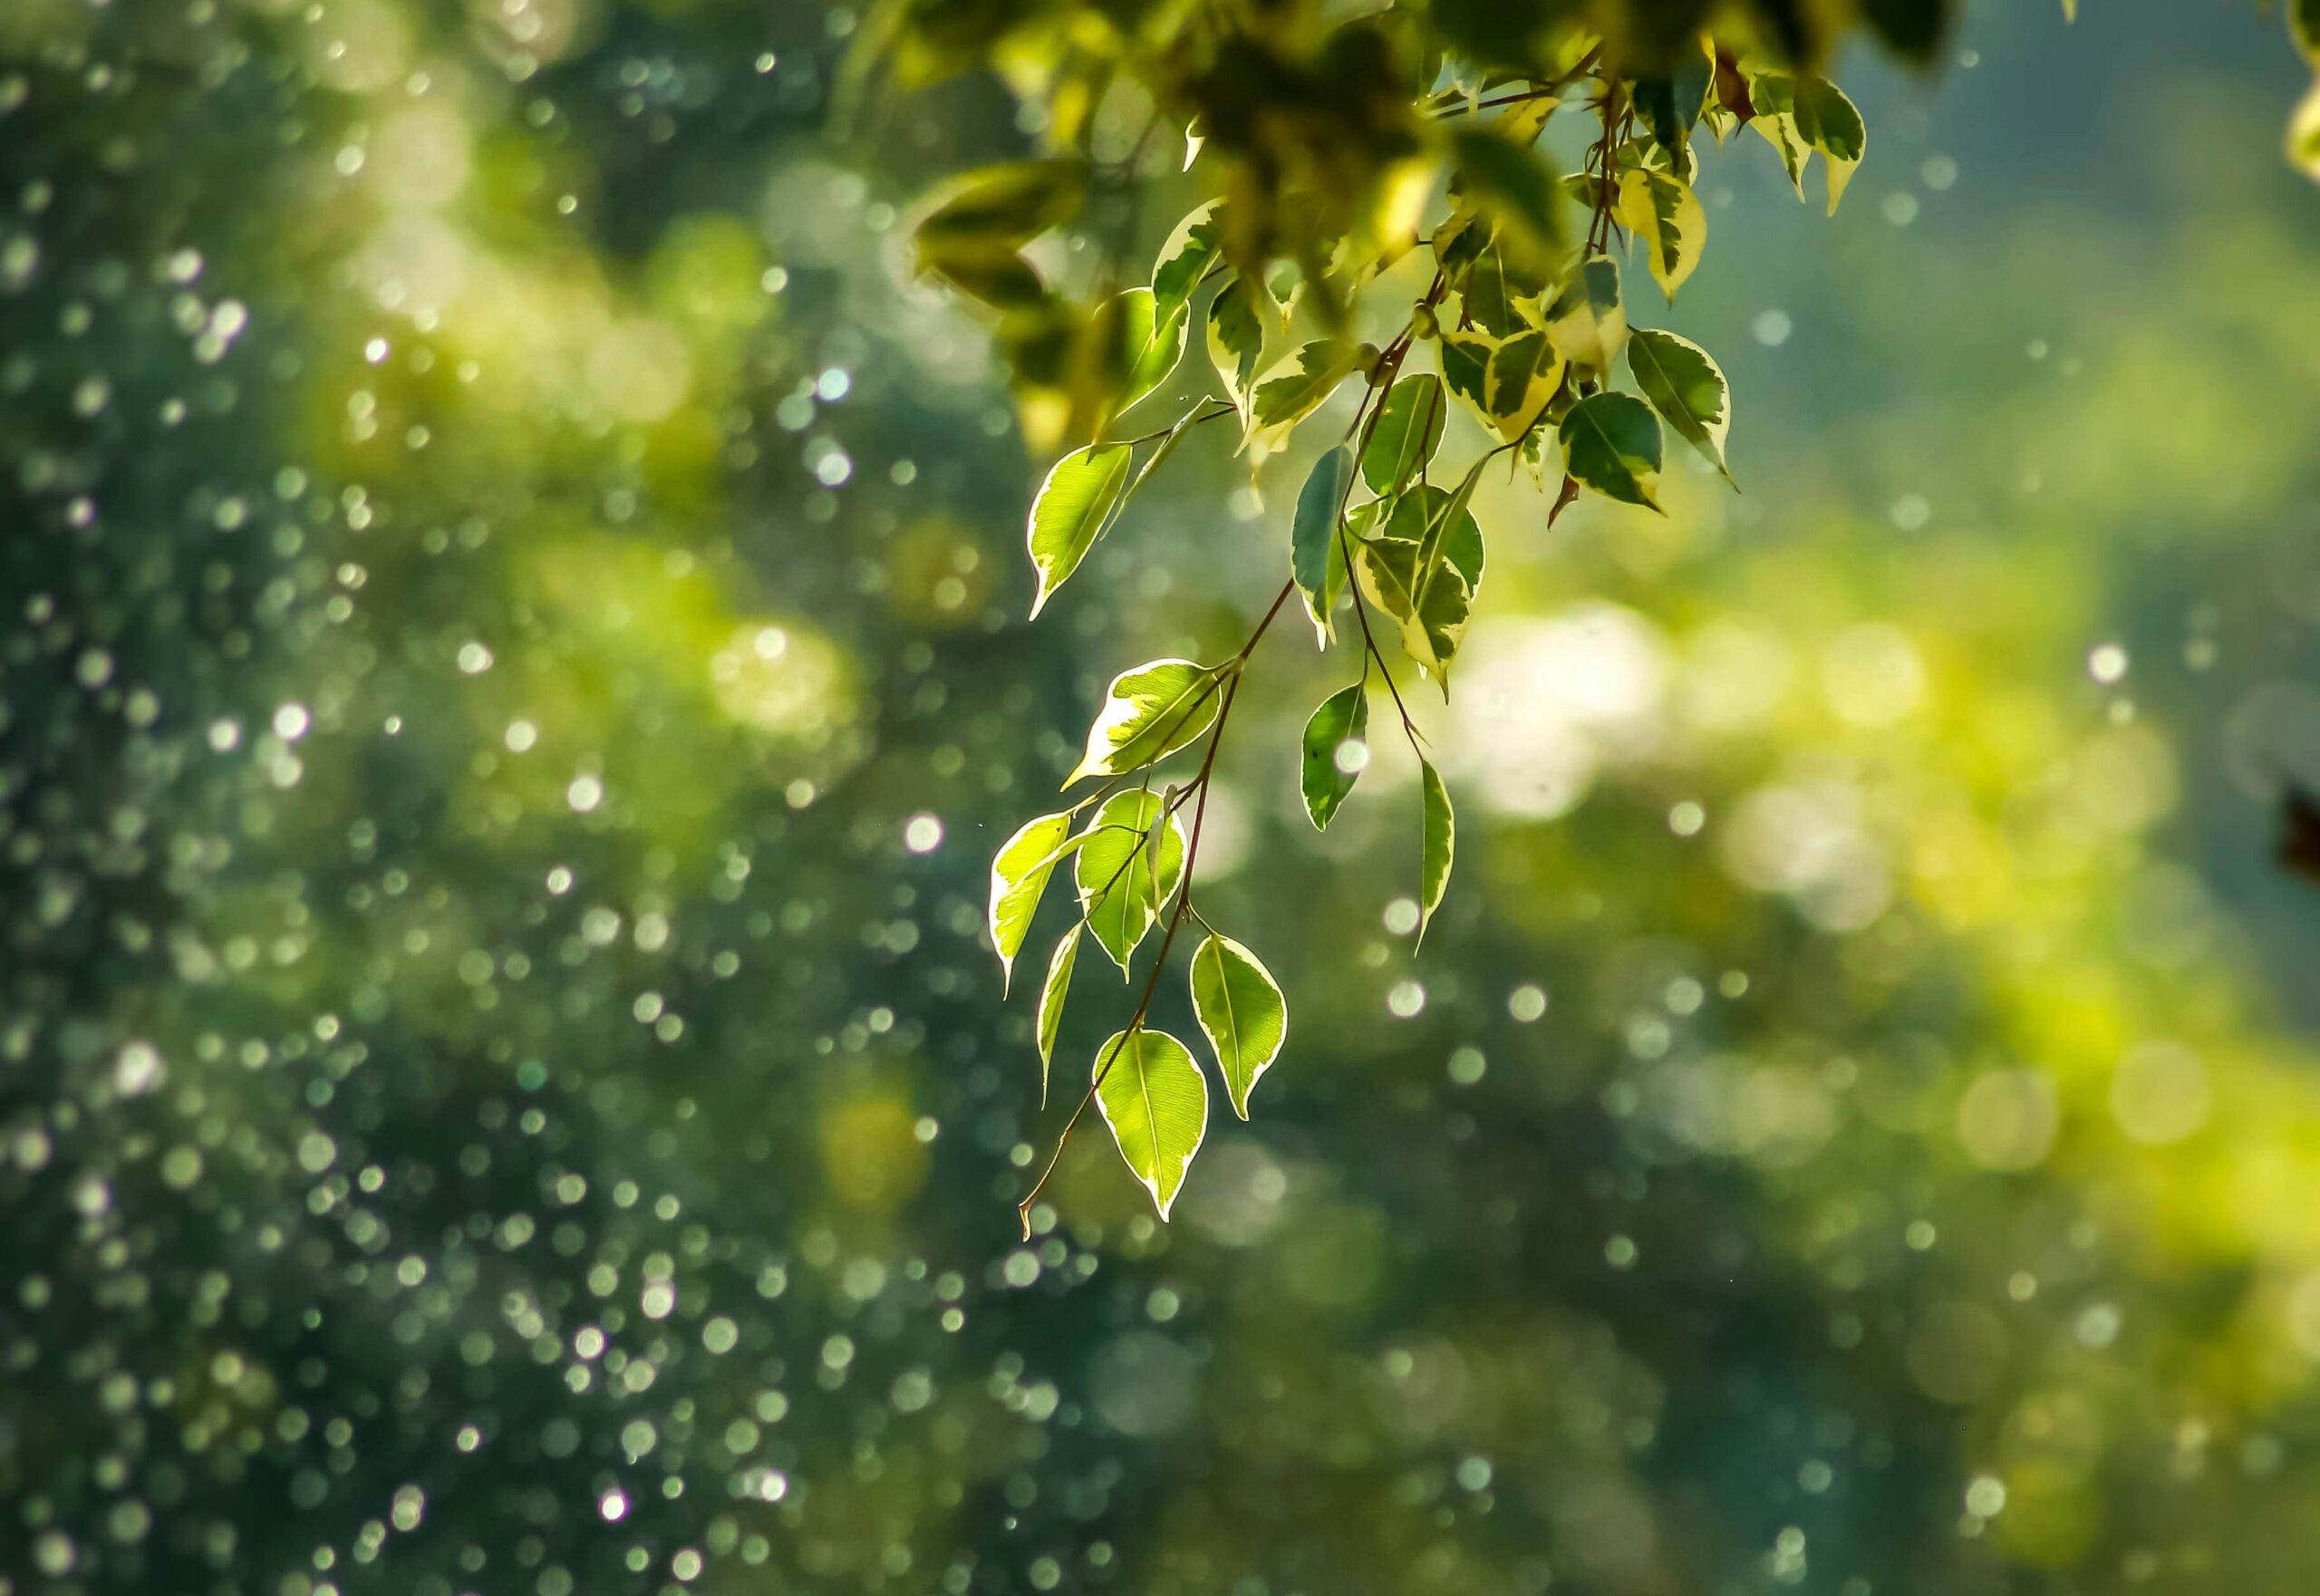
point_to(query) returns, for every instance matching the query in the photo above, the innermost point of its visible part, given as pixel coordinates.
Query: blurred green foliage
(511, 674)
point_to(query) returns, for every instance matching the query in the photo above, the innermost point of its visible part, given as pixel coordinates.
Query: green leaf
(1052, 992)
(1151, 344)
(1423, 572)
(1313, 536)
(1408, 430)
(1802, 114)
(1465, 366)
(1659, 102)
(1187, 256)
(1444, 527)
(1502, 297)
(1831, 124)
(1155, 1100)
(1323, 776)
(1236, 342)
(1610, 442)
(1524, 373)
(1588, 321)
(995, 273)
(1007, 204)
(1438, 844)
(1019, 875)
(1070, 512)
(1131, 861)
(1240, 1010)
(1505, 179)
(1687, 388)
(1149, 713)
(2304, 27)
(1667, 218)
(1296, 386)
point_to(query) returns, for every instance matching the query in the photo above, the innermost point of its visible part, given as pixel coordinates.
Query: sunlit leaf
(1132, 860)
(1186, 257)
(1073, 506)
(1668, 220)
(1149, 714)
(1438, 844)
(1524, 373)
(1804, 113)
(1610, 444)
(1588, 321)
(1830, 123)
(1423, 570)
(1329, 767)
(1151, 344)
(1237, 344)
(1052, 992)
(1313, 538)
(1240, 1011)
(1155, 1100)
(1019, 875)
(1687, 388)
(1296, 386)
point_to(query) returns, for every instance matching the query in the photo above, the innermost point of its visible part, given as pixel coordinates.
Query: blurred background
(512, 669)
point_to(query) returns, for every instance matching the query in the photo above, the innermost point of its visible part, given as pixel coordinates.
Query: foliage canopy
(1475, 183)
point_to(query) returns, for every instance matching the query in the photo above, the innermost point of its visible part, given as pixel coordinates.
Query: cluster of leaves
(1332, 152)
(1524, 321)
(1372, 151)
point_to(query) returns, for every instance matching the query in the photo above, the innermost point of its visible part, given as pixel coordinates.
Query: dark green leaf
(1324, 776)
(1408, 430)
(1313, 538)
(1610, 442)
